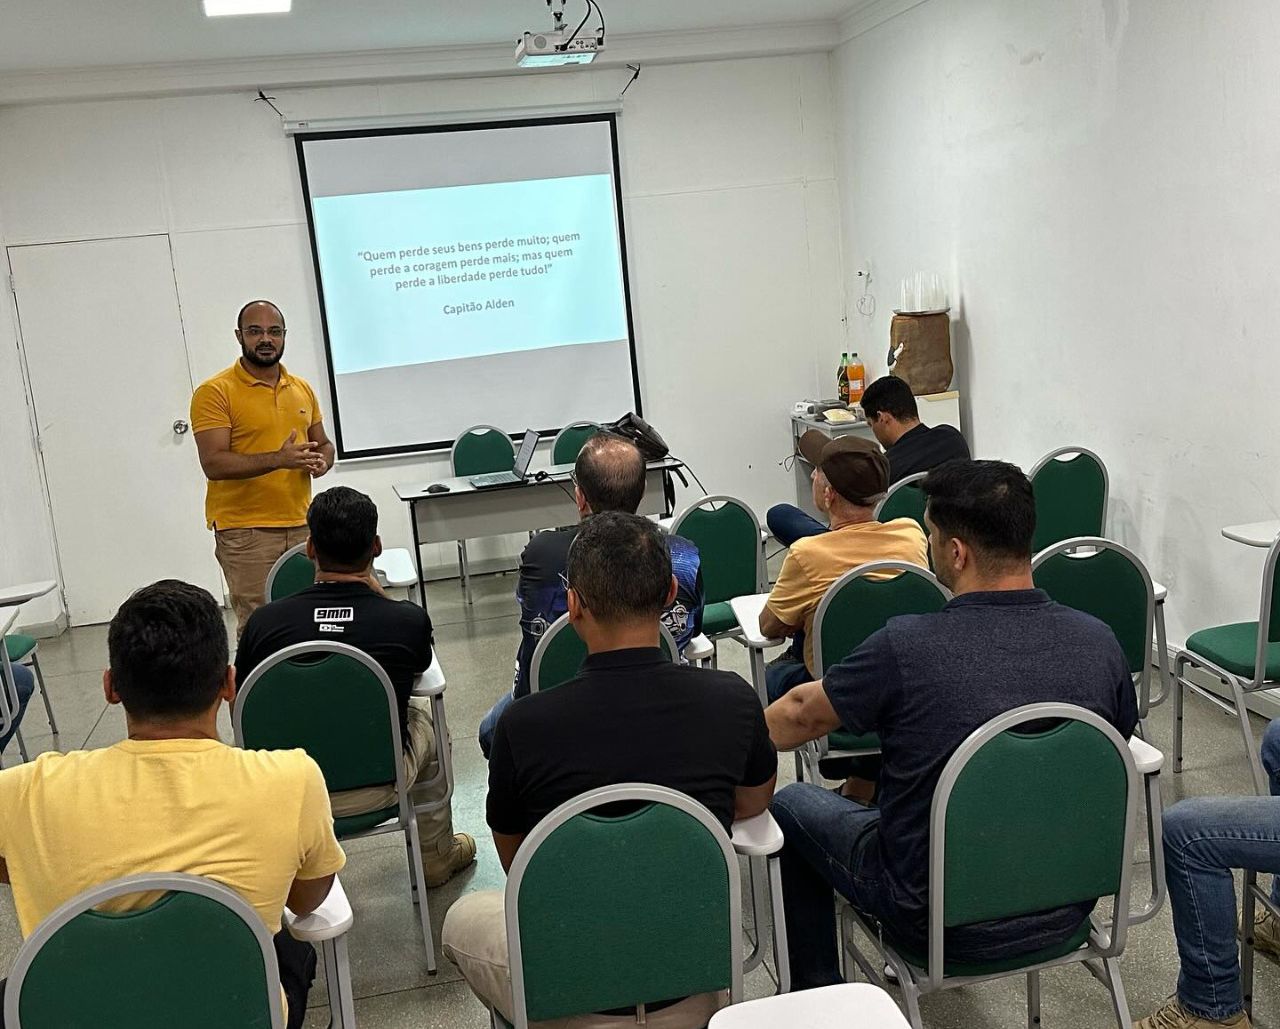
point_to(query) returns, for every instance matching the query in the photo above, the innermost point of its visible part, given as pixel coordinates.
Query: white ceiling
(37, 35)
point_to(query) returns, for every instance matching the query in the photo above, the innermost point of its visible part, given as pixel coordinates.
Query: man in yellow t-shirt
(261, 441)
(850, 476)
(173, 797)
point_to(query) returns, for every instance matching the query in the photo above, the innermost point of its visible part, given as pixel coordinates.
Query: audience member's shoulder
(718, 682)
(283, 767)
(548, 545)
(1081, 624)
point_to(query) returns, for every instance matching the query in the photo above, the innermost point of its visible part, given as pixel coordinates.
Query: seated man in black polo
(924, 683)
(347, 605)
(911, 447)
(608, 475)
(631, 715)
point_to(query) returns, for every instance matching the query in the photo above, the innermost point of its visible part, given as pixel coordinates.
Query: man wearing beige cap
(850, 476)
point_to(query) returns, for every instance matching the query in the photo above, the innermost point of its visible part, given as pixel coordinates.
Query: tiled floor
(476, 647)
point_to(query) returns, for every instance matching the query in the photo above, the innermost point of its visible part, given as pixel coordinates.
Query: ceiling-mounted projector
(559, 47)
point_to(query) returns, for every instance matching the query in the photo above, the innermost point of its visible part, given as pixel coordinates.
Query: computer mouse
(437, 487)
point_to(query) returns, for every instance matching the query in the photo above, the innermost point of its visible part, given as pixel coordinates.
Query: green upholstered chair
(608, 912)
(1023, 821)
(22, 649)
(1070, 486)
(292, 573)
(479, 449)
(727, 534)
(10, 704)
(857, 604)
(569, 440)
(199, 957)
(905, 499)
(559, 654)
(1110, 582)
(1244, 656)
(336, 703)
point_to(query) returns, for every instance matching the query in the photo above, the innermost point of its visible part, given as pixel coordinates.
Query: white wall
(1098, 178)
(732, 226)
(26, 541)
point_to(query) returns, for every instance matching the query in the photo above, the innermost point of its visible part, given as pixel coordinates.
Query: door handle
(181, 428)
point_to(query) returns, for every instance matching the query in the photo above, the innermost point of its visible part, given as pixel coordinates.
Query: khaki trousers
(421, 764)
(246, 556)
(474, 936)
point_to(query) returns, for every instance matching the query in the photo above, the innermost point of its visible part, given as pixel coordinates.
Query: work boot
(440, 868)
(1174, 1016)
(1266, 933)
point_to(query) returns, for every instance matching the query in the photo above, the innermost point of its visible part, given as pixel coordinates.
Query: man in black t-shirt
(347, 605)
(631, 715)
(924, 683)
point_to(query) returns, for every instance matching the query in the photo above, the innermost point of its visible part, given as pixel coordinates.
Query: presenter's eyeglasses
(255, 331)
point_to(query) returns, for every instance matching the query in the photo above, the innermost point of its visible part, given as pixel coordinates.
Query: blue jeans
(1204, 839)
(489, 723)
(827, 838)
(784, 676)
(788, 524)
(26, 683)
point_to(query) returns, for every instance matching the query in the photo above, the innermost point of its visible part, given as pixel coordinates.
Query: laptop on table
(519, 472)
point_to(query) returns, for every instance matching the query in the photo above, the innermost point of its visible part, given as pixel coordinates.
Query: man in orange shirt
(261, 441)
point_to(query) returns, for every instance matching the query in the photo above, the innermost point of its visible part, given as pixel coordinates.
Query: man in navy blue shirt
(608, 475)
(924, 683)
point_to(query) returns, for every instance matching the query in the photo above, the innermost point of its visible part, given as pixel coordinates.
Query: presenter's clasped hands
(304, 455)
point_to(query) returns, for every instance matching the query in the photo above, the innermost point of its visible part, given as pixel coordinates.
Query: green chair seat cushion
(1233, 647)
(18, 646)
(718, 618)
(351, 824)
(841, 740)
(962, 968)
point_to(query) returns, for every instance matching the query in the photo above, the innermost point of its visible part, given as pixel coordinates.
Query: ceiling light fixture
(223, 8)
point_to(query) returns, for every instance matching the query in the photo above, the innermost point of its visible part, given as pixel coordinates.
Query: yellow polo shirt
(260, 417)
(815, 562)
(253, 820)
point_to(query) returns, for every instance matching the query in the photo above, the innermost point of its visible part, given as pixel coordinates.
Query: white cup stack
(921, 292)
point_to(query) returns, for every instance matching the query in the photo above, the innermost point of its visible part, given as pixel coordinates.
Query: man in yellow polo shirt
(173, 797)
(261, 441)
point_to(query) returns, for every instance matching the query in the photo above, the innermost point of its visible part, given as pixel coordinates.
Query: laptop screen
(527, 445)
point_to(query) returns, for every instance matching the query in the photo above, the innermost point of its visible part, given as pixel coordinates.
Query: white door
(102, 335)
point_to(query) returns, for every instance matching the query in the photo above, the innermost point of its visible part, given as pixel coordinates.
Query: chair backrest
(480, 449)
(292, 573)
(10, 705)
(560, 652)
(569, 440)
(905, 499)
(727, 534)
(333, 701)
(863, 599)
(1269, 608)
(199, 957)
(609, 912)
(1110, 583)
(1070, 486)
(1035, 810)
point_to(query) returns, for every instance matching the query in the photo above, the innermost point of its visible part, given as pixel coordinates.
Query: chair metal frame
(762, 571)
(560, 625)
(1107, 938)
(281, 561)
(572, 425)
(404, 820)
(908, 481)
(815, 751)
(621, 793)
(464, 566)
(1096, 544)
(1237, 686)
(10, 704)
(168, 882)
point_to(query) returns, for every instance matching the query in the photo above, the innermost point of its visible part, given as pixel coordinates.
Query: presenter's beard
(268, 356)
